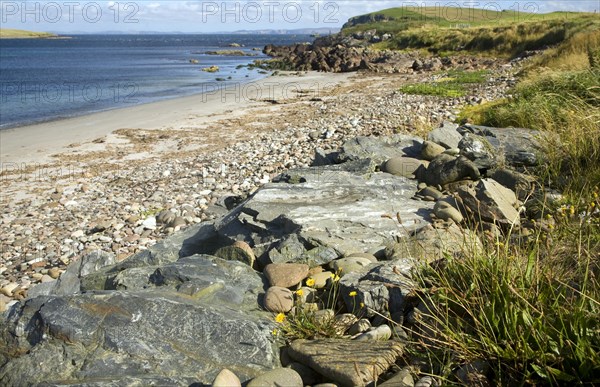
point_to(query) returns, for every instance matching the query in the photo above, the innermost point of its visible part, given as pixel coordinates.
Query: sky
(70, 16)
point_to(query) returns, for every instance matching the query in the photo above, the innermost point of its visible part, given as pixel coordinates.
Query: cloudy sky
(68, 16)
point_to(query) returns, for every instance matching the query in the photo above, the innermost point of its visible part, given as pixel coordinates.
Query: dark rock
(523, 185)
(381, 287)
(329, 357)
(446, 169)
(479, 151)
(519, 146)
(106, 337)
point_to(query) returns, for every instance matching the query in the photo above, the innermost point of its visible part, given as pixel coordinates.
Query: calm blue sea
(49, 79)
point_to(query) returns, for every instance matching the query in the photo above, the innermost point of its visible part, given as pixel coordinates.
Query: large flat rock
(339, 209)
(151, 335)
(347, 362)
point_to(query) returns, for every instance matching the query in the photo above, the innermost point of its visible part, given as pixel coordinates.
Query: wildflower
(300, 292)
(310, 282)
(280, 318)
(362, 304)
(335, 278)
(274, 332)
(352, 293)
(572, 210)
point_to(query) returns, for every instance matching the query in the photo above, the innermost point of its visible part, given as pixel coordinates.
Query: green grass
(531, 310)
(530, 307)
(446, 30)
(454, 84)
(22, 34)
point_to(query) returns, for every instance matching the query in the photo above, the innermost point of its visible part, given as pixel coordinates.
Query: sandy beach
(37, 143)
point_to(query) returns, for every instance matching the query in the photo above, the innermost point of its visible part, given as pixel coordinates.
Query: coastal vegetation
(23, 34)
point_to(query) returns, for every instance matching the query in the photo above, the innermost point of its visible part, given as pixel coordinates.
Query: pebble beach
(136, 175)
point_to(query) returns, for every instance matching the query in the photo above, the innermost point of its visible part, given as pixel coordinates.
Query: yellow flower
(300, 292)
(362, 304)
(352, 293)
(310, 282)
(275, 331)
(572, 210)
(335, 278)
(280, 318)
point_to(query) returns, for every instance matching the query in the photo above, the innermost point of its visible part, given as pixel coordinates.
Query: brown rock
(278, 299)
(286, 274)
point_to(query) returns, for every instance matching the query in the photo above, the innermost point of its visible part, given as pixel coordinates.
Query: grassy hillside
(485, 32)
(22, 34)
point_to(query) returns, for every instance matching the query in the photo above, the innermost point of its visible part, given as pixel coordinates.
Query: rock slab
(347, 362)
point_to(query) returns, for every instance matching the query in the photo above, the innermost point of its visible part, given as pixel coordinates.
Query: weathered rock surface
(286, 274)
(339, 210)
(446, 135)
(347, 362)
(520, 147)
(278, 377)
(381, 149)
(445, 169)
(152, 336)
(380, 287)
(490, 202)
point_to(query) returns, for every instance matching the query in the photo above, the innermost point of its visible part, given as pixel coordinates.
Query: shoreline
(39, 142)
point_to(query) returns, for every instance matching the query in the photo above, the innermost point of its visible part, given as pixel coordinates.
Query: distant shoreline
(23, 34)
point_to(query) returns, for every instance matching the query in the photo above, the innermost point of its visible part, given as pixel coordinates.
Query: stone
(285, 275)
(402, 166)
(444, 210)
(308, 375)
(446, 135)
(431, 243)
(479, 151)
(382, 332)
(520, 147)
(226, 378)
(165, 217)
(7, 290)
(342, 213)
(382, 288)
(140, 335)
(360, 326)
(278, 377)
(288, 249)
(490, 202)
(430, 192)
(347, 362)
(278, 299)
(446, 169)
(344, 266)
(368, 256)
(323, 316)
(521, 184)
(321, 279)
(380, 149)
(402, 378)
(430, 150)
(239, 251)
(149, 223)
(342, 322)
(69, 282)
